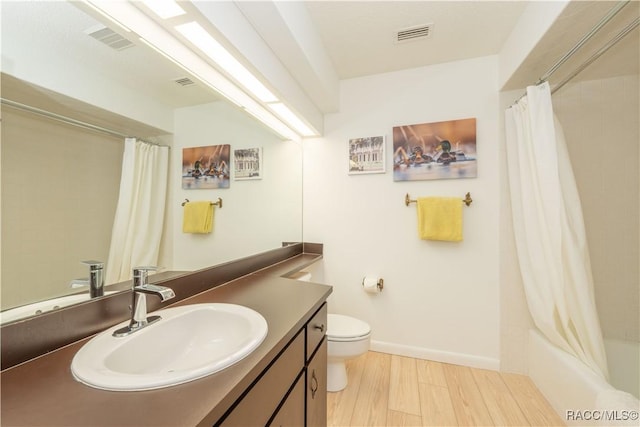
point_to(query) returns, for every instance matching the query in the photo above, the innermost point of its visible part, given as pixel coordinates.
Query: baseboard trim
(436, 355)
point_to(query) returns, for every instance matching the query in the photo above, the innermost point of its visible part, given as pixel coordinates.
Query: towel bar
(218, 203)
(467, 199)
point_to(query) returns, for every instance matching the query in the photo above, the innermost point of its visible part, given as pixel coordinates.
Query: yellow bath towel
(440, 218)
(198, 217)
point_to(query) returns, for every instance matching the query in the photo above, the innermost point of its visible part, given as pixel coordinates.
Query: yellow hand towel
(198, 217)
(440, 218)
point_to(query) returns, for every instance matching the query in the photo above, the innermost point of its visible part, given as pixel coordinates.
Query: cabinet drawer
(316, 329)
(259, 404)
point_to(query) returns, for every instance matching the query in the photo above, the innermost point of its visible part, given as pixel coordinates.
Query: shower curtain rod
(622, 34)
(69, 120)
(605, 19)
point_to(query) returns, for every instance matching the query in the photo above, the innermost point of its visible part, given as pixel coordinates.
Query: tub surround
(43, 391)
(570, 386)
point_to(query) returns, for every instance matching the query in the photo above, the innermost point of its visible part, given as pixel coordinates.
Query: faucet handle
(78, 283)
(140, 275)
(145, 268)
(94, 265)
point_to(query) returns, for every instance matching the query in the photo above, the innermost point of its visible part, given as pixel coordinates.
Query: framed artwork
(439, 150)
(366, 155)
(247, 163)
(205, 167)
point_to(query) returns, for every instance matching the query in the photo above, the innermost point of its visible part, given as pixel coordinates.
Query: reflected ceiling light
(271, 121)
(164, 8)
(170, 47)
(214, 50)
(106, 15)
(288, 116)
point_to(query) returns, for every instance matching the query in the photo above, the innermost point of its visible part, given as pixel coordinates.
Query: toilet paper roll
(372, 284)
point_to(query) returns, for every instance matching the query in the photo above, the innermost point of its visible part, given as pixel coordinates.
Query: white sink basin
(188, 343)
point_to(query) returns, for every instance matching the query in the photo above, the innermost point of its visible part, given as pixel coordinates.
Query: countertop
(43, 392)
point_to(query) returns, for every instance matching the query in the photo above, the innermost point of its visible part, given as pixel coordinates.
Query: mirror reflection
(61, 181)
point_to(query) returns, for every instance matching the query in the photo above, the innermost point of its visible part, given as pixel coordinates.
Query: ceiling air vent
(184, 81)
(109, 37)
(413, 33)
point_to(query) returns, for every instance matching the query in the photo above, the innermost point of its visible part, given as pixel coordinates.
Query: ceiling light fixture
(170, 47)
(165, 9)
(109, 17)
(197, 35)
(292, 119)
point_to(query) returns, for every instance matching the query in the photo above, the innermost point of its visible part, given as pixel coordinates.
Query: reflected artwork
(247, 163)
(439, 150)
(205, 167)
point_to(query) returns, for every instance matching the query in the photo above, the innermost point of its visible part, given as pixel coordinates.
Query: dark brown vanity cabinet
(316, 401)
(293, 390)
(316, 364)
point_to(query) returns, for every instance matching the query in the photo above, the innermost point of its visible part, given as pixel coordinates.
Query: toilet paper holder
(379, 284)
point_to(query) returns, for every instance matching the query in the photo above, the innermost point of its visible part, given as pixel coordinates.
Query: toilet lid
(340, 326)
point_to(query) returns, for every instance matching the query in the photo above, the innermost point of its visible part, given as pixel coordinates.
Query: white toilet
(347, 338)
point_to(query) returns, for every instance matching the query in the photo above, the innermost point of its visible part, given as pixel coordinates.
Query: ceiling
(59, 28)
(357, 37)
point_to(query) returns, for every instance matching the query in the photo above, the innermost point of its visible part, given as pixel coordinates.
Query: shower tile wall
(60, 188)
(601, 123)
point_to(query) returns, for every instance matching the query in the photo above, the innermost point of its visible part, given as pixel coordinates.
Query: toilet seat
(345, 328)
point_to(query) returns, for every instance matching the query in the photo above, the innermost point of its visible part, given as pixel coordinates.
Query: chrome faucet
(95, 280)
(140, 290)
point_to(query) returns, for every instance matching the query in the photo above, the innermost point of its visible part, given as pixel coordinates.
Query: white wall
(257, 215)
(441, 300)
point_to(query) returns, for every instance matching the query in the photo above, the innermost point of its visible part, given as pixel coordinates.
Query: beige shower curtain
(137, 227)
(549, 230)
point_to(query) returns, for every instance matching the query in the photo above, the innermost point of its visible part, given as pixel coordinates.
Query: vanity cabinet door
(291, 412)
(316, 401)
(261, 401)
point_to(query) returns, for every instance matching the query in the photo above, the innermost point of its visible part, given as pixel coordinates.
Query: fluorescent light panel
(165, 9)
(214, 50)
(288, 116)
(106, 15)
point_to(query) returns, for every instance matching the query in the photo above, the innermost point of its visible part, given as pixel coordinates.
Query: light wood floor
(389, 390)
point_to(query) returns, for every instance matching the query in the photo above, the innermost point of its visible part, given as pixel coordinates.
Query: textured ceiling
(359, 35)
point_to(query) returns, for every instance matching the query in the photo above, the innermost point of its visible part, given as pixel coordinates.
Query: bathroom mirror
(53, 211)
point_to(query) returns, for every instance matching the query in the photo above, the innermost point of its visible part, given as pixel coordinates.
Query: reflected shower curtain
(137, 227)
(549, 230)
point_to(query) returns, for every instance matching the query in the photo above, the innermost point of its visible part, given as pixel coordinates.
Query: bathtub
(624, 365)
(577, 394)
(35, 308)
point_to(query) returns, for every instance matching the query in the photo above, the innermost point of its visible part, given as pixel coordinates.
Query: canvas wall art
(366, 155)
(205, 167)
(439, 150)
